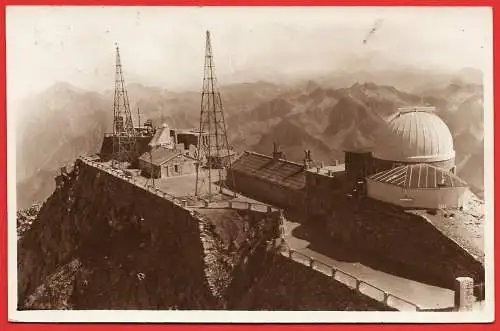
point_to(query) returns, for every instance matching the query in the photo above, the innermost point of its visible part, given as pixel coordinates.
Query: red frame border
(5, 325)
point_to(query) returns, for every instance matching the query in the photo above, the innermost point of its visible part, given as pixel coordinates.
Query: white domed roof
(415, 135)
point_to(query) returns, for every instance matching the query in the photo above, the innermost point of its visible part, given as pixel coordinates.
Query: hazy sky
(163, 46)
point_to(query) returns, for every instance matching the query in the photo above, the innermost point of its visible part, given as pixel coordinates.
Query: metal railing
(240, 205)
(131, 179)
(353, 282)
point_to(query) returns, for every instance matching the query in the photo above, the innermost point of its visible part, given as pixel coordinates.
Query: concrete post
(249, 205)
(269, 209)
(184, 203)
(386, 297)
(464, 293)
(311, 262)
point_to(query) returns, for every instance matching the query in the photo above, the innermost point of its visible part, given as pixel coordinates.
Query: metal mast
(124, 146)
(213, 147)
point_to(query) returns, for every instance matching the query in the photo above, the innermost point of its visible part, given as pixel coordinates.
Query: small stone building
(163, 162)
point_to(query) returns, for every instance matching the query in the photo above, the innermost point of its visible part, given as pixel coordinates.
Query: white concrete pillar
(464, 293)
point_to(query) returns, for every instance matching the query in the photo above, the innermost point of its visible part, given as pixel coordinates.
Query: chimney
(277, 154)
(307, 159)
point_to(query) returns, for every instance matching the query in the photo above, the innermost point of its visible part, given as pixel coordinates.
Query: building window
(176, 168)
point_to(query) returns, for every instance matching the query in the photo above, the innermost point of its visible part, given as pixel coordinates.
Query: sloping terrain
(102, 243)
(287, 285)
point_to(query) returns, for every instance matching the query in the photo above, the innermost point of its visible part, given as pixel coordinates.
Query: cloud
(164, 46)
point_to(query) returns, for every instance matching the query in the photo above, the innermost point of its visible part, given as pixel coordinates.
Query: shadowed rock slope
(103, 243)
(135, 250)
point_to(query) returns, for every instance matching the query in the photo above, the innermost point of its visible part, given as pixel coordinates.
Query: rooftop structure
(329, 170)
(162, 137)
(278, 171)
(418, 186)
(159, 155)
(418, 176)
(415, 135)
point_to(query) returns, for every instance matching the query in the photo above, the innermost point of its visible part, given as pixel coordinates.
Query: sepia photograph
(250, 164)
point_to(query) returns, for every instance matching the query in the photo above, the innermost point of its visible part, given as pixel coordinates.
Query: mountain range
(326, 114)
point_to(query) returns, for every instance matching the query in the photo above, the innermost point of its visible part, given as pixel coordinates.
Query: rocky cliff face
(100, 242)
(287, 285)
(103, 243)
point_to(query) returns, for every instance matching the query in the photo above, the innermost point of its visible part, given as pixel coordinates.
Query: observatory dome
(415, 135)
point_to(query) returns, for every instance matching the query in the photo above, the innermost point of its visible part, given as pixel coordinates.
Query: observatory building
(413, 135)
(412, 163)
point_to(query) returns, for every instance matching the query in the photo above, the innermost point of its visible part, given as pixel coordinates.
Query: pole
(139, 117)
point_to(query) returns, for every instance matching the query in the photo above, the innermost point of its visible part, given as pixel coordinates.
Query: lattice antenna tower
(213, 145)
(124, 142)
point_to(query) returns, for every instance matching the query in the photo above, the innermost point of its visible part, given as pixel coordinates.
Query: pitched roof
(159, 155)
(276, 171)
(421, 176)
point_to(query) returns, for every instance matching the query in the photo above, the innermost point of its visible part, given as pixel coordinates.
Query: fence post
(464, 293)
(386, 297)
(311, 262)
